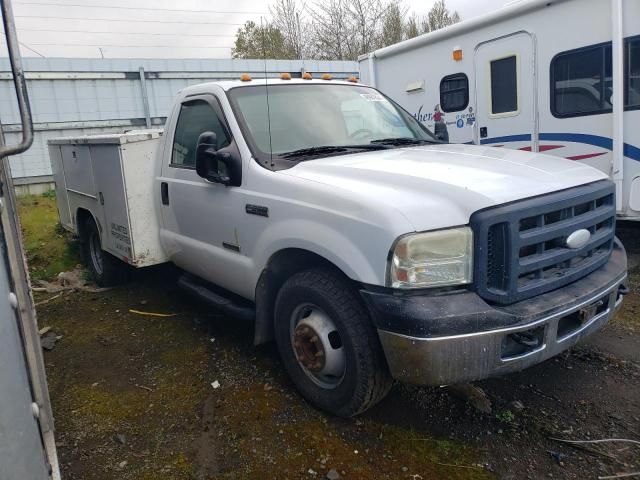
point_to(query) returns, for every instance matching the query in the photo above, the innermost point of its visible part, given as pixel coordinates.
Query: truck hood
(437, 186)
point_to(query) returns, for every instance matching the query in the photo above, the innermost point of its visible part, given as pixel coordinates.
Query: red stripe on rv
(588, 155)
(542, 148)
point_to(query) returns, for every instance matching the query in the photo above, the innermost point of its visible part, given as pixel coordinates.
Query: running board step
(232, 305)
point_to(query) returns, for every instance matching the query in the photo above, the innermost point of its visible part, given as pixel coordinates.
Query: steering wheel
(361, 132)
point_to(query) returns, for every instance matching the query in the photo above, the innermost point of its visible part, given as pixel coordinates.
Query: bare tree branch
(289, 17)
(336, 29)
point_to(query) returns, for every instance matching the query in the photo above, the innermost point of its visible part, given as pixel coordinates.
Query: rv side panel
(567, 73)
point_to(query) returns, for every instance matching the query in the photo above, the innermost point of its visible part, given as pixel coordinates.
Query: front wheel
(328, 345)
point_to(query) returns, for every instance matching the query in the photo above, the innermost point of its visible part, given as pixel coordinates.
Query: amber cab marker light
(352, 79)
(245, 77)
(457, 54)
(307, 76)
(285, 76)
(326, 76)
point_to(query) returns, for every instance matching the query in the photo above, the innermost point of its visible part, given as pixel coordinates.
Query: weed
(59, 229)
(505, 416)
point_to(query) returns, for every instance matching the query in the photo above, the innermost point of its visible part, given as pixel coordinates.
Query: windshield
(305, 117)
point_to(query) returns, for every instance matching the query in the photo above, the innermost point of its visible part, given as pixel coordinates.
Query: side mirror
(212, 164)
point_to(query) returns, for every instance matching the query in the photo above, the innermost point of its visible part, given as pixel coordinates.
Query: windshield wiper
(397, 141)
(303, 152)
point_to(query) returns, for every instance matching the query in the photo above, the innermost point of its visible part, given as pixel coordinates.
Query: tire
(323, 301)
(105, 269)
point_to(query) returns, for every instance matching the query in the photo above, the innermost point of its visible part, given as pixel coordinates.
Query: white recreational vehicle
(554, 76)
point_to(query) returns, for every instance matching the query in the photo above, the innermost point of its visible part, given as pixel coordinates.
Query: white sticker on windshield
(372, 97)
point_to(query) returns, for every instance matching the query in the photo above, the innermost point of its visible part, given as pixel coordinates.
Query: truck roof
(229, 84)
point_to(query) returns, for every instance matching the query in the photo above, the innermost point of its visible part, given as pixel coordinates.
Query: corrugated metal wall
(71, 96)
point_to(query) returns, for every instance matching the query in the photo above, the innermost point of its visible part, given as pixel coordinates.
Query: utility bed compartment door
(111, 195)
(76, 162)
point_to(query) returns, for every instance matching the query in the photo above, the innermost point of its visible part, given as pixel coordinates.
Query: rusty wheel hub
(317, 346)
(308, 347)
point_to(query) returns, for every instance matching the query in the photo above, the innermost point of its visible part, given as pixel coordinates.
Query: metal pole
(145, 97)
(617, 169)
(19, 81)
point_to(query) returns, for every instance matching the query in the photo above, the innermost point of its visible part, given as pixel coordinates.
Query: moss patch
(114, 374)
(48, 247)
(269, 433)
(103, 409)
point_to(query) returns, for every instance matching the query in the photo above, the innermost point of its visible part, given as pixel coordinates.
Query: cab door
(199, 218)
(505, 92)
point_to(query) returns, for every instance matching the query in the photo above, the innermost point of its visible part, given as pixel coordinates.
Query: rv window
(632, 71)
(454, 92)
(581, 82)
(504, 85)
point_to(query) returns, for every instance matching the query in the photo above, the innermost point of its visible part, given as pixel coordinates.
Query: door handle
(164, 193)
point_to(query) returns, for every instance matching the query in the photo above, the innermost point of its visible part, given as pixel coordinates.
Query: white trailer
(554, 76)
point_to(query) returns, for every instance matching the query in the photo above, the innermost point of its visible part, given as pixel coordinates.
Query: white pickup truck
(368, 249)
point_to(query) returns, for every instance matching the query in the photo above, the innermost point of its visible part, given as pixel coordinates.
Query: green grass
(48, 247)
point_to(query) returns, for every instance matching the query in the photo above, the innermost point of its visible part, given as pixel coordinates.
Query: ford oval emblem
(578, 239)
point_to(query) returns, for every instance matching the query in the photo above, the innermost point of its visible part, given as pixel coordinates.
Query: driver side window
(195, 118)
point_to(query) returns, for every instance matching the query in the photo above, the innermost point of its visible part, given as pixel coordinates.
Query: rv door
(505, 93)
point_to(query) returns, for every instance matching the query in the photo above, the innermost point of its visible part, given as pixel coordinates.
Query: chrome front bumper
(441, 358)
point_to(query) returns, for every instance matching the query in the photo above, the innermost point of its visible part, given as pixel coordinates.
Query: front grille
(520, 248)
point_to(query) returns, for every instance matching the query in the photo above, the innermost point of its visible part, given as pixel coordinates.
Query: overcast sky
(156, 28)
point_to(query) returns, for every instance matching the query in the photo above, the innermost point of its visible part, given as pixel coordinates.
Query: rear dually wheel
(106, 269)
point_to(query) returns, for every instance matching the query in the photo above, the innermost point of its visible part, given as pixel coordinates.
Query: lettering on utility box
(120, 235)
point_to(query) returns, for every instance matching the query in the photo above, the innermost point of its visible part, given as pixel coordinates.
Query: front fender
(363, 262)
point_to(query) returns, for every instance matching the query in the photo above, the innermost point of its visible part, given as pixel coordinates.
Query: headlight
(433, 259)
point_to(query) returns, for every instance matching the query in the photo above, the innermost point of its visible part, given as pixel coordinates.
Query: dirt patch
(617, 342)
(148, 379)
(628, 318)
